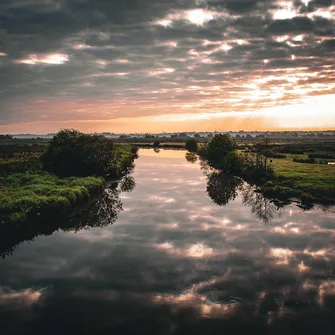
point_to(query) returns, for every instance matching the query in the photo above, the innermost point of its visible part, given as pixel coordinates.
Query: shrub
(71, 153)
(233, 162)
(191, 145)
(219, 147)
(275, 155)
(304, 160)
(156, 144)
(203, 150)
(321, 155)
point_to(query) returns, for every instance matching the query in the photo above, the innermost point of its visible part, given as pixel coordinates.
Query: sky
(166, 65)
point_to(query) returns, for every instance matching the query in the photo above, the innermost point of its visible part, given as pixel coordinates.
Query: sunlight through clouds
(200, 65)
(51, 59)
(285, 11)
(28, 296)
(197, 17)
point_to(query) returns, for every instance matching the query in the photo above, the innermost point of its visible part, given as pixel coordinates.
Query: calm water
(189, 253)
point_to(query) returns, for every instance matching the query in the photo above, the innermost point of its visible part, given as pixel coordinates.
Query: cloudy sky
(164, 65)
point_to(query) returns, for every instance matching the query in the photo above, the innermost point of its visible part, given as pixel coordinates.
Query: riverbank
(305, 181)
(29, 194)
(298, 171)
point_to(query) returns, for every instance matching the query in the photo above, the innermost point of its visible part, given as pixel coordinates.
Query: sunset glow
(197, 66)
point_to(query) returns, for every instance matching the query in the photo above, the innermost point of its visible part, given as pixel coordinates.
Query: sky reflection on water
(174, 262)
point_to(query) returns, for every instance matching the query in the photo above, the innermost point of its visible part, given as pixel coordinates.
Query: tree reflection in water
(102, 212)
(191, 157)
(261, 207)
(127, 184)
(106, 209)
(223, 188)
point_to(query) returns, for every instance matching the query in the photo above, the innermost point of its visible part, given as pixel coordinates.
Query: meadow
(310, 182)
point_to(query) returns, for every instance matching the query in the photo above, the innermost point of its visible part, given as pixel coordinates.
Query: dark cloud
(127, 51)
(321, 3)
(295, 25)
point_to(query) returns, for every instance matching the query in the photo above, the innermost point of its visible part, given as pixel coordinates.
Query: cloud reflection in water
(189, 266)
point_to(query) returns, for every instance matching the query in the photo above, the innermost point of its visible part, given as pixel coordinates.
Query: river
(188, 252)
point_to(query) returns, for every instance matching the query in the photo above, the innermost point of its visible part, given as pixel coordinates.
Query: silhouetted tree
(191, 145)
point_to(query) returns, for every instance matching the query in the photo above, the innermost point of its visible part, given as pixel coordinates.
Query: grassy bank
(30, 194)
(307, 182)
(280, 171)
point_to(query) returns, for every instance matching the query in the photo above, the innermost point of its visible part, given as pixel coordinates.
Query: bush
(219, 147)
(156, 144)
(304, 160)
(289, 150)
(321, 155)
(191, 145)
(71, 153)
(233, 162)
(203, 150)
(275, 155)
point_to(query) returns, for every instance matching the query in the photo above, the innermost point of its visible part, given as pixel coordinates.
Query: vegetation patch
(191, 145)
(74, 167)
(276, 175)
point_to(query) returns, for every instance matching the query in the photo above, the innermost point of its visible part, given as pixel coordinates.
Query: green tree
(191, 145)
(233, 162)
(218, 148)
(71, 153)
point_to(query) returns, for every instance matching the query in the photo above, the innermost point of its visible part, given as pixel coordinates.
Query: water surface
(189, 252)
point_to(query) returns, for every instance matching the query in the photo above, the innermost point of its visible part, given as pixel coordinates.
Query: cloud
(51, 59)
(126, 60)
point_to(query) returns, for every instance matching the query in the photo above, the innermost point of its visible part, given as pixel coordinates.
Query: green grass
(30, 194)
(309, 181)
(27, 193)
